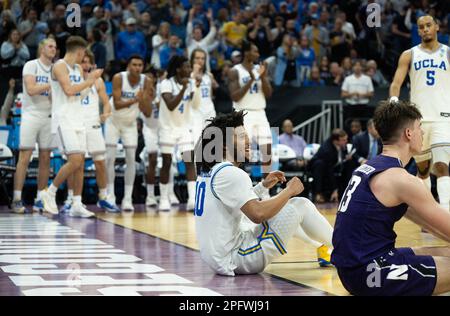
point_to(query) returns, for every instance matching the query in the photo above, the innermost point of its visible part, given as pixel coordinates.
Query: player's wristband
(393, 100)
(260, 190)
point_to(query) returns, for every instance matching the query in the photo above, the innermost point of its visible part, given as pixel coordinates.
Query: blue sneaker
(66, 207)
(107, 206)
(38, 206)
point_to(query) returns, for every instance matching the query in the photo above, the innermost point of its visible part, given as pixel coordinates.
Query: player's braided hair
(391, 118)
(210, 132)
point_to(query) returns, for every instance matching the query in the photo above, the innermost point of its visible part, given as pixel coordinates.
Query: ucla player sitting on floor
(224, 193)
(36, 124)
(379, 194)
(429, 72)
(95, 141)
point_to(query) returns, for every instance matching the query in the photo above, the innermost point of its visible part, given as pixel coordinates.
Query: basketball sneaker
(324, 256)
(38, 206)
(49, 202)
(127, 205)
(164, 205)
(66, 207)
(190, 205)
(18, 207)
(150, 201)
(80, 211)
(173, 199)
(108, 207)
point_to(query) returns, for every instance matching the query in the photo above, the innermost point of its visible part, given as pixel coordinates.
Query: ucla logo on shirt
(41, 79)
(247, 79)
(75, 78)
(429, 63)
(128, 95)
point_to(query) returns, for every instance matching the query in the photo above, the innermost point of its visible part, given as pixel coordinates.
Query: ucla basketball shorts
(436, 142)
(36, 129)
(399, 272)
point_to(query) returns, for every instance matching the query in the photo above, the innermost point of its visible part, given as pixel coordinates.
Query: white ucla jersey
(91, 106)
(131, 113)
(41, 104)
(152, 122)
(207, 104)
(67, 111)
(220, 194)
(254, 99)
(430, 82)
(181, 115)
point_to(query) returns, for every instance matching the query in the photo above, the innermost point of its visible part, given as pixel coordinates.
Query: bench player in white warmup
(36, 122)
(249, 88)
(95, 142)
(178, 94)
(132, 93)
(224, 193)
(429, 72)
(68, 89)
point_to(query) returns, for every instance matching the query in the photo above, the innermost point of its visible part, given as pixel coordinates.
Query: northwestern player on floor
(132, 93)
(224, 193)
(249, 88)
(206, 109)
(379, 194)
(95, 141)
(35, 124)
(68, 89)
(429, 72)
(179, 93)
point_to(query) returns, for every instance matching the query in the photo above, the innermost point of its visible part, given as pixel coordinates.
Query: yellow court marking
(298, 265)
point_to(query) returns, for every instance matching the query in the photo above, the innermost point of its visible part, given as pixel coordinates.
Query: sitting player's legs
(441, 257)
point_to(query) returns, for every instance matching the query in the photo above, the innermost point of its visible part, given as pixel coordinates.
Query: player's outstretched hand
(273, 178)
(295, 186)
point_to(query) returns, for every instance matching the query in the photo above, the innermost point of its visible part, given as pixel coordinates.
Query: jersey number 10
(200, 191)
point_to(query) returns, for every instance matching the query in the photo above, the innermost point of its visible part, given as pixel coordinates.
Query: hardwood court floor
(299, 265)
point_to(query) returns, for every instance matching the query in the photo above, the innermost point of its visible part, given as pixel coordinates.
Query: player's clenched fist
(295, 186)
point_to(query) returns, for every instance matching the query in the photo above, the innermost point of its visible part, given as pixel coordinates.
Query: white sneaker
(164, 205)
(173, 199)
(80, 211)
(49, 202)
(150, 201)
(127, 205)
(190, 205)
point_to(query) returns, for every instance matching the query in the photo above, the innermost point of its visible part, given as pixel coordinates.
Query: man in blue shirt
(130, 42)
(170, 50)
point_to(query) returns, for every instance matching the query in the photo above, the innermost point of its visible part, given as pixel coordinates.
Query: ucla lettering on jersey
(254, 99)
(38, 104)
(430, 75)
(128, 91)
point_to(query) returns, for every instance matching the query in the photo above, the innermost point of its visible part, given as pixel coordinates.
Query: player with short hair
(378, 195)
(179, 94)
(224, 194)
(95, 141)
(35, 125)
(249, 88)
(132, 94)
(428, 66)
(68, 89)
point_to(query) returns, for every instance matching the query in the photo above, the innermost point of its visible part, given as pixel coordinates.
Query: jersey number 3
(200, 191)
(352, 185)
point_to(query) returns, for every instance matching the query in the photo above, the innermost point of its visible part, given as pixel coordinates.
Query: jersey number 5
(200, 191)
(430, 77)
(353, 184)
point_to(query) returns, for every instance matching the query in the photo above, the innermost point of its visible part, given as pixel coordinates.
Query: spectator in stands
(159, 12)
(347, 66)
(14, 55)
(115, 9)
(331, 168)
(59, 18)
(305, 59)
(130, 10)
(355, 128)
(377, 77)
(324, 20)
(367, 144)
(159, 41)
(98, 49)
(47, 14)
(195, 37)
(357, 90)
(340, 42)
(29, 32)
(259, 34)
(130, 42)
(336, 75)
(401, 34)
(296, 142)
(170, 50)
(7, 103)
(99, 14)
(287, 68)
(347, 27)
(278, 31)
(234, 32)
(7, 23)
(318, 36)
(179, 29)
(292, 30)
(314, 80)
(324, 68)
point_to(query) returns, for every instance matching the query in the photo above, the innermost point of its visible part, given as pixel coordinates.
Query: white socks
(77, 200)
(443, 189)
(17, 195)
(52, 189)
(164, 191)
(151, 190)
(427, 183)
(103, 193)
(191, 190)
(128, 192)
